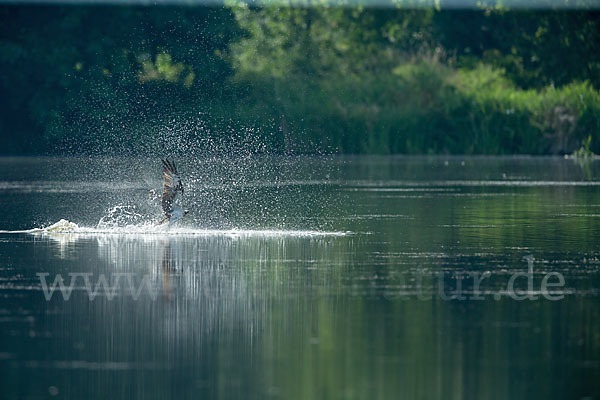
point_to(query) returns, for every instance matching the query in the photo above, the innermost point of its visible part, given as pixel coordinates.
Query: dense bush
(426, 107)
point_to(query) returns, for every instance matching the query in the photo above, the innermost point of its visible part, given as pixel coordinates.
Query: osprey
(171, 185)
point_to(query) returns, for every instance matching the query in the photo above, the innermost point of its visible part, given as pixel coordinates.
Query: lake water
(302, 278)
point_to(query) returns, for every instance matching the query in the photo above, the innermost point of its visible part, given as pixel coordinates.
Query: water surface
(301, 278)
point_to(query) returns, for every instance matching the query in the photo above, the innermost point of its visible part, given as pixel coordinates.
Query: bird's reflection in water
(168, 268)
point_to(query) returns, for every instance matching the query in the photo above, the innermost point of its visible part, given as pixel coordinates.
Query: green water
(303, 278)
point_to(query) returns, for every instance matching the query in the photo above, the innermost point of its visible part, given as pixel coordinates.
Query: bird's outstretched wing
(171, 184)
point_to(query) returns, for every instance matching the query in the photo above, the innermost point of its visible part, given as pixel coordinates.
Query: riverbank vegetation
(299, 80)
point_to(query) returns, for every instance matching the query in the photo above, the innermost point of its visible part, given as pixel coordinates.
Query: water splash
(221, 193)
(147, 230)
(121, 217)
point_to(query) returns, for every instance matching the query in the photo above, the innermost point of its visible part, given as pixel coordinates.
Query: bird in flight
(171, 185)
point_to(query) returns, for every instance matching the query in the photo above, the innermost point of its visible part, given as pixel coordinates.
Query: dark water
(303, 279)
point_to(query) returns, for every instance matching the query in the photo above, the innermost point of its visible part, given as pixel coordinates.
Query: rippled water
(301, 278)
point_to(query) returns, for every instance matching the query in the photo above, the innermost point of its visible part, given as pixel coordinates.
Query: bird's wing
(169, 175)
(171, 183)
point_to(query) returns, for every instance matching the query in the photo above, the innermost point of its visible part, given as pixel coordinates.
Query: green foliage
(85, 74)
(585, 151)
(535, 48)
(301, 79)
(427, 107)
(163, 68)
(387, 97)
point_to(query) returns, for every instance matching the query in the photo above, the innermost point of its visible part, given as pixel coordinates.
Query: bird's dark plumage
(171, 185)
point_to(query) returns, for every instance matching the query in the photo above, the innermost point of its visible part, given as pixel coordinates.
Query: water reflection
(168, 269)
(288, 318)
